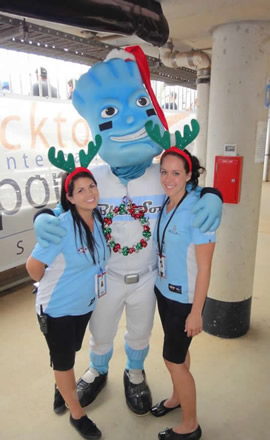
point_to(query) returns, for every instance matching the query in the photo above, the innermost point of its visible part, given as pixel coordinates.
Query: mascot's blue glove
(58, 210)
(47, 230)
(208, 211)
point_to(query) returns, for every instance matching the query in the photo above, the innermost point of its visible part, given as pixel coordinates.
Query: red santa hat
(135, 53)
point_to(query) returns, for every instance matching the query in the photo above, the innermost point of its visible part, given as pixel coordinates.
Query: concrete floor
(232, 376)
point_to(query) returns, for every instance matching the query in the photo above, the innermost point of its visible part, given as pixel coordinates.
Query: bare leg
(173, 401)
(184, 388)
(65, 381)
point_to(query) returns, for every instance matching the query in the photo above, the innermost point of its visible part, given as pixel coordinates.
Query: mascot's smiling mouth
(130, 137)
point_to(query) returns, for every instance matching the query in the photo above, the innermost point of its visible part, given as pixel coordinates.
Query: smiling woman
(184, 266)
(68, 287)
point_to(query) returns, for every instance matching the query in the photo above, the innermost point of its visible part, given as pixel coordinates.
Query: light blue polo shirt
(179, 249)
(68, 285)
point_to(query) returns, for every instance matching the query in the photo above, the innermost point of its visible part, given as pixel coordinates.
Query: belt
(133, 278)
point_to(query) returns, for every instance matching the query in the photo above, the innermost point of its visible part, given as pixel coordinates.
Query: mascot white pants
(130, 282)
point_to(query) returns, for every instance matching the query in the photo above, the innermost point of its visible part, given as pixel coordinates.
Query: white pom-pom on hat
(120, 53)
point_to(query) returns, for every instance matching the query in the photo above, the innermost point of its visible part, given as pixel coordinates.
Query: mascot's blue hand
(208, 211)
(58, 210)
(47, 230)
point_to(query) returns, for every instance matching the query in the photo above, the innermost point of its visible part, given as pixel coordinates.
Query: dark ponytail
(197, 170)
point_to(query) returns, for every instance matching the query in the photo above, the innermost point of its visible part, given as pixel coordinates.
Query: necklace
(138, 213)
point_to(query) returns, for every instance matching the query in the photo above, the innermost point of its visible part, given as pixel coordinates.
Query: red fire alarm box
(227, 177)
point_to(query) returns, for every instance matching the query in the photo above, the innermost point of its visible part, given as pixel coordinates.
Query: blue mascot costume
(116, 99)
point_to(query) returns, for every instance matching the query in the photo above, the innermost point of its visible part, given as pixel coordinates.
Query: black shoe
(138, 396)
(86, 428)
(59, 405)
(87, 392)
(169, 434)
(160, 410)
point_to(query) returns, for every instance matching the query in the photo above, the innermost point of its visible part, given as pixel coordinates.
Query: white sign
(230, 150)
(28, 182)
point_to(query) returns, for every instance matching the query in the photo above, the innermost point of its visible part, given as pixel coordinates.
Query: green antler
(180, 141)
(60, 162)
(69, 164)
(189, 135)
(154, 133)
(85, 158)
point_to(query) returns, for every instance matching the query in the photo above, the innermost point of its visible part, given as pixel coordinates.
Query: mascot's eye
(109, 112)
(143, 101)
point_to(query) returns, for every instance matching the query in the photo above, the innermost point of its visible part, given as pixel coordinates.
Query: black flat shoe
(169, 434)
(86, 428)
(160, 410)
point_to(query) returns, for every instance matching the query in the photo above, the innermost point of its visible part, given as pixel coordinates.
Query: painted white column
(238, 78)
(202, 109)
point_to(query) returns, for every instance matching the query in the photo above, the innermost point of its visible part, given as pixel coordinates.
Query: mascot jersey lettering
(68, 285)
(179, 249)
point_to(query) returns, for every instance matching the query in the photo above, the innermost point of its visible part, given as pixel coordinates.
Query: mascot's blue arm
(208, 210)
(46, 226)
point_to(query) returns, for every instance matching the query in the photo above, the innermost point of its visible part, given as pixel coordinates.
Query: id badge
(162, 266)
(101, 288)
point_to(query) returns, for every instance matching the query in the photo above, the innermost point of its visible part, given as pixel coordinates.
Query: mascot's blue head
(112, 98)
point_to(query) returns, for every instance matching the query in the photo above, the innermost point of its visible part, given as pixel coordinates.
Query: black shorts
(173, 317)
(64, 338)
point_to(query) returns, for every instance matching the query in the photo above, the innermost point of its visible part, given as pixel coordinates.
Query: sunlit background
(17, 76)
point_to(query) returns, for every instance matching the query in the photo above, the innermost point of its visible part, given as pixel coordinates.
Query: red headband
(74, 172)
(143, 66)
(181, 153)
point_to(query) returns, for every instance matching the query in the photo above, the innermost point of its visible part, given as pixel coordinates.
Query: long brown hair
(78, 221)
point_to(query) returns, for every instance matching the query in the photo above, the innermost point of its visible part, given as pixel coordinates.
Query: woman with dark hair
(68, 287)
(184, 261)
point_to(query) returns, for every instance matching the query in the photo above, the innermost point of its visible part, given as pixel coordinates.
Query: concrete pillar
(238, 79)
(200, 144)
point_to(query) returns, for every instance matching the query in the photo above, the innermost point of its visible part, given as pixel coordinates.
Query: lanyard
(161, 245)
(102, 241)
